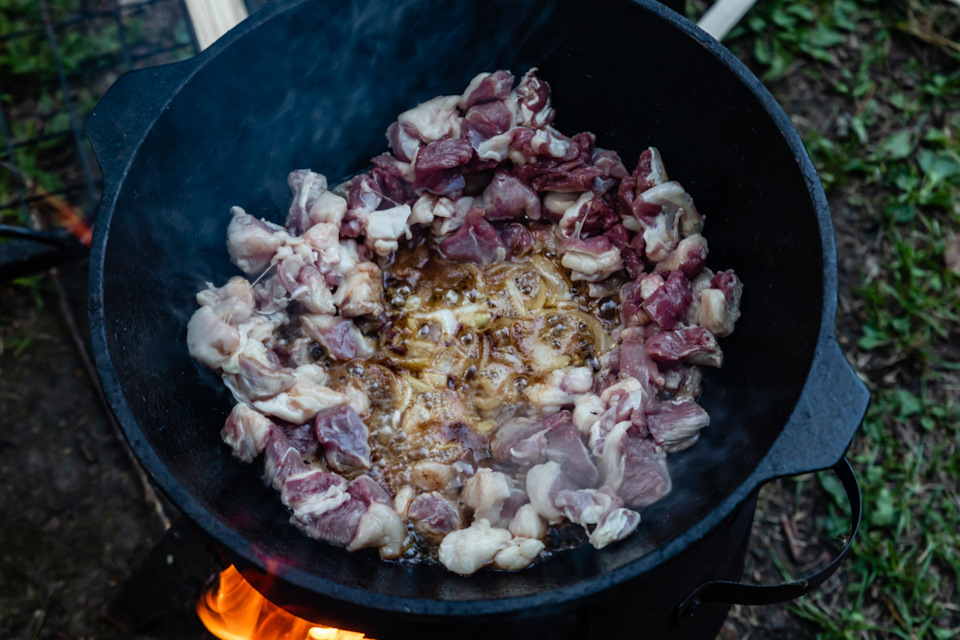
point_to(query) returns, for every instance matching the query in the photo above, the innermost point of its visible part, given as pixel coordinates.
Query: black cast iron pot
(315, 84)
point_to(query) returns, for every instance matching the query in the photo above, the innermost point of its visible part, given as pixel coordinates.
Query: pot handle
(128, 109)
(722, 591)
(828, 412)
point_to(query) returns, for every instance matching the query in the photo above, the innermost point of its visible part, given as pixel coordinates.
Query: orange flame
(234, 610)
(69, 217)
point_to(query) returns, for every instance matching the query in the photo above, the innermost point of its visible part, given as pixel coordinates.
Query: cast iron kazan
(315, 84)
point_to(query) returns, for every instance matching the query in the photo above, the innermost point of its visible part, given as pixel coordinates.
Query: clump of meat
(495, 330)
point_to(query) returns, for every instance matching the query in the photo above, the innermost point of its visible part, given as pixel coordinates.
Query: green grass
(886, 140)
(901, 574)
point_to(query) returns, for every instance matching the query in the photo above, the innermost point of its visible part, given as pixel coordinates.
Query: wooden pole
(724, 16)
(213, 18)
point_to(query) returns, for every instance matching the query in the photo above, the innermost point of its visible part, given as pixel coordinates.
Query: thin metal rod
(15, 169)
(32, 141)
(35, 198)
(68, 101)
(85, 15)
(127, 55)
(12, 231)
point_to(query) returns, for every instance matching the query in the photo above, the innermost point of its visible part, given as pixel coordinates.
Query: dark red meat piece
(519, 441)
(281, 460)
(692, 344)
(518, 239)
(565, 447)
(645, 475)
(433, 515)
(507, 198)
(475, 241)
(534, 95)
(343, 436)
(495, 86)
(668, 305)
(484, 121)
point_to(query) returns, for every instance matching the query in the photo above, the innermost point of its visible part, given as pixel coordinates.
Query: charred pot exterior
(495, 332)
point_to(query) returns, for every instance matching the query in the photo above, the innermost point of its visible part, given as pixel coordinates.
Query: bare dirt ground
(75, 524)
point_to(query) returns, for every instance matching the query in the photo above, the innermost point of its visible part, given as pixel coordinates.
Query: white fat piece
(428, 475)
(466, 550)
(615, 525)
(434, 119)
(380, 526)
(442, 226)
(485, 493)
(317, 504)
(324, 239)
(251, 243)
(586, 411)
(527, 523)
(384, 228)
(429, 206)
(361, 292)
(211, 340)
(519, 554)
(715, 315)
(300, 403)
(329, 208)
(495, 148)
(559, 202)
(562, 387)
(540, 481)
(612, 460)
(404, 497)
(234, 301)
(592, 267)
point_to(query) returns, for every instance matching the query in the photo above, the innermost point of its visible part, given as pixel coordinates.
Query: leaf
(902, 213)
(801, 11)
(756, 23)
(906, 182)
(824, 37)
(909, 403)
(899, 145)
(936, 135)
(821, 55)
(883, 514)
(783, 19)
(938, 165)
(761, 51)
(872, 338)
(834, 488)
(859, 128)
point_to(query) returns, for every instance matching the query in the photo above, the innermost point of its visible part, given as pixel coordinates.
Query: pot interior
(316, 86)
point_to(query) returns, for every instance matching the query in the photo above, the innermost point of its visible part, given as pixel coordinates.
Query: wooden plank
(724, 16)
(213, 18)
